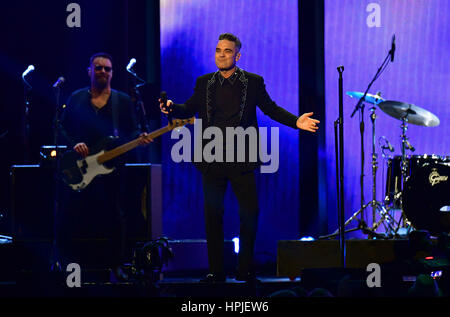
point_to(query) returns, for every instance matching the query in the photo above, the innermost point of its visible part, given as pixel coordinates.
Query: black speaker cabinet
(32, 202)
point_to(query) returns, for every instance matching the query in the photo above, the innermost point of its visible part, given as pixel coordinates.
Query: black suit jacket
(253, 93)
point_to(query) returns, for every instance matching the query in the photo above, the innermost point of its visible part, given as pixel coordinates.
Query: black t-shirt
(83, 122)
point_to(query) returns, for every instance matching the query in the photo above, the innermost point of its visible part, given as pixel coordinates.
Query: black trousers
(244, 187)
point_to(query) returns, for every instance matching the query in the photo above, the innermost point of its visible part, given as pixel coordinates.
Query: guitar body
(78, 172)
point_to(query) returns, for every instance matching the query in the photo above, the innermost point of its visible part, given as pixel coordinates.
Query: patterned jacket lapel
(244, 82)
(210, 91)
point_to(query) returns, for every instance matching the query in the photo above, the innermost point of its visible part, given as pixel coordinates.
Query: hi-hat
(412, 113)
(373, 99)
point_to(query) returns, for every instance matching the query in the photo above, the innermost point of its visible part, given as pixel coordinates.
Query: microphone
(59, 82)
(388, 145)
(131, 64)
(163, 96)
(27, 71)
(409, 146)
(392, 51)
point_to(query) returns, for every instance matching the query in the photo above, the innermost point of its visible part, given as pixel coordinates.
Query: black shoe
(213, 278)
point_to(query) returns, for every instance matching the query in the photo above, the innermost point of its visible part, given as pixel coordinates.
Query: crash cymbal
(413, 113)
(373, 99)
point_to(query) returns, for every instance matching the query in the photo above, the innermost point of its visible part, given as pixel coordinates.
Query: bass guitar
(79, 172)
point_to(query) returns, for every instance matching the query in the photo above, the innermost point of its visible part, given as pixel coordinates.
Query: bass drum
(426, 198)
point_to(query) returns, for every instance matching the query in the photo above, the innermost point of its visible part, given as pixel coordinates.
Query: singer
(91, 114)
(228, 98)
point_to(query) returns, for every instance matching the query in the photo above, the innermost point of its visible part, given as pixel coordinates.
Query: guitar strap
(115, 112)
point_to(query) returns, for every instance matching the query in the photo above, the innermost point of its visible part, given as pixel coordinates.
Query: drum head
(425, 193)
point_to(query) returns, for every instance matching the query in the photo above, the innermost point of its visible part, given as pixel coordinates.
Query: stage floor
(302, 267)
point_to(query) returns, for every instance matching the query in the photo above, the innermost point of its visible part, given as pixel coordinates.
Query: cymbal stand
(404, 165)
(376, 206)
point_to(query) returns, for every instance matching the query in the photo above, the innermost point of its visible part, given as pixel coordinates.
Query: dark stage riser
(32, 213)
(395, 264)
(294, 256)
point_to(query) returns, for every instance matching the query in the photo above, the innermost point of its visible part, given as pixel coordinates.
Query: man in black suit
(228, 98)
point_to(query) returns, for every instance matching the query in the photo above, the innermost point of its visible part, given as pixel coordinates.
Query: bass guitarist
(91, 115)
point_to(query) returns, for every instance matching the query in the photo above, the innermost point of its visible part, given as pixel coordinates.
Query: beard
(101, 82)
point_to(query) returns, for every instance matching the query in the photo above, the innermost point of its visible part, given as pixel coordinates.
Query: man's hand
(82, 149)
(304, 122)
(166, 108)
(143, 139)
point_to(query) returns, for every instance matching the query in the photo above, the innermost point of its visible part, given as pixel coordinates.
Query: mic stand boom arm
(137, 99)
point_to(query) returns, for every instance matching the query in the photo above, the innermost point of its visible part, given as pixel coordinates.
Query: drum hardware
(374, 204)
(394, 183)
(397, 175)
(363, 97)
(406, 113)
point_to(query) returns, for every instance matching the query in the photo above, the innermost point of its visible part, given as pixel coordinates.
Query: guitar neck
(111, 154)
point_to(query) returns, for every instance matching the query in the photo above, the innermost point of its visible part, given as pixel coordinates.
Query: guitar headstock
(176, 123)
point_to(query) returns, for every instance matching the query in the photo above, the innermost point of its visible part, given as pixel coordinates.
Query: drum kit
(417, 186)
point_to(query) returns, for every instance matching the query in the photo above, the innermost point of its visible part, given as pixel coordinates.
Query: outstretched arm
(270, 108)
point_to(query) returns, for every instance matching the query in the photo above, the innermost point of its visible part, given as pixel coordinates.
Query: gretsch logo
(435, 178)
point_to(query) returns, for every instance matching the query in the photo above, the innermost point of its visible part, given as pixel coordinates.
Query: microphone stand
(361, 225)
(340, 189)
(136, 97)
(138, 102)
(55, 264)
(26, 121)
(360, 106)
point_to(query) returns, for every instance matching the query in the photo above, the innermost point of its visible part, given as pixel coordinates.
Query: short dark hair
(232, 38)
(100, 54)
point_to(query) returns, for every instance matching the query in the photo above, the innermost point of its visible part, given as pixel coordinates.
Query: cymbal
(374, 99)
(413, 113)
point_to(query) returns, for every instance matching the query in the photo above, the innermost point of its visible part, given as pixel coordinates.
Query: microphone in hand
(166, 105)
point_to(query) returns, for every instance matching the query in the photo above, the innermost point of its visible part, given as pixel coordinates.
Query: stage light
(150, 257)
(49, 152)
(436, 274)
(236, 245)
(307, 239)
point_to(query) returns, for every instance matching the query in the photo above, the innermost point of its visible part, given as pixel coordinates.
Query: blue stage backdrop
(358, 36)
(269, 34)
